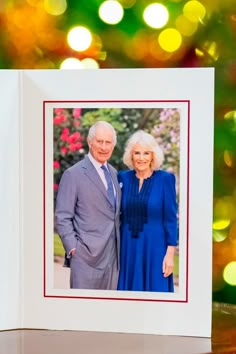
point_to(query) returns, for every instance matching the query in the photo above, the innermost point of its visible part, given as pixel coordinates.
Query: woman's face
(142, 157)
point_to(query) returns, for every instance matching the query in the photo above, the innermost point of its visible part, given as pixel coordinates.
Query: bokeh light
(79, 38)
(55, 7)
(156, 15)
(229, 273)
(224, 208)
(127, 3)
(185, 26)
(211, 48)
(230, 115)
(71, 63)
(170, 39)
(221, 224)
(228, 158)
(89, 63)
(219, 236)
(111, 12)
(194, 11)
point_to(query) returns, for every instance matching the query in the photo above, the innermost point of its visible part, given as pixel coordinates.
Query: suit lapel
(92, 174)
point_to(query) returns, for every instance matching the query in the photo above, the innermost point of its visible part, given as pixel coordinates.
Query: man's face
(102, 145)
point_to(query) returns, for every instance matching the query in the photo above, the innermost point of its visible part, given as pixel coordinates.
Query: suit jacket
(85, 219)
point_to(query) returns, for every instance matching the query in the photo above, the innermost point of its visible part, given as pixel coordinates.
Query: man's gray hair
(101, 124)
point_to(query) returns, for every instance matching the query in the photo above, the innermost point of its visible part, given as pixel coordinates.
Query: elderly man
(87, 214)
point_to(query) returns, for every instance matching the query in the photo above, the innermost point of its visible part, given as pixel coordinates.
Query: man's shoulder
(77, 166)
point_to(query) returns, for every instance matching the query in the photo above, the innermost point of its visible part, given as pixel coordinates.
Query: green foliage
(58, 247)
(124, 122)
(71, 128)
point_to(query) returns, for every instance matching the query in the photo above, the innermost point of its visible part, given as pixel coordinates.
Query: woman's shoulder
(165, 174)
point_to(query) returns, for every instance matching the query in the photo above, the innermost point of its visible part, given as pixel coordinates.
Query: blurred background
(95, 34)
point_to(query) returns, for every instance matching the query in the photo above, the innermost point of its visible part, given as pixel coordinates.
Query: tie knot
(104, 168)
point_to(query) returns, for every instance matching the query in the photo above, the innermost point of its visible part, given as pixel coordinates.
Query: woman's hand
(168, 261)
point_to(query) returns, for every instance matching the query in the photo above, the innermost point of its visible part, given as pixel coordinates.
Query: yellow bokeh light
(55, 7)
(228, 158)
(111, 12)
(199, 52)
(219, 236)
(127, 3)
(224, 208)
(229, 273)
(185, 27)
(156, 15)
(224, 212)
(89, 63)
(170, 40)
(230, 115)
(212, 49)
(71, 63)
(194, 11)
(221, 224)
(79, 38)
(102, 55)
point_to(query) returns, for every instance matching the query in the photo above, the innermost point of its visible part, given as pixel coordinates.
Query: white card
(187, 311)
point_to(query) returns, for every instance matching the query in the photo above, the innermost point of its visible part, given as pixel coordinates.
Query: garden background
(70, 145)
(95, 34)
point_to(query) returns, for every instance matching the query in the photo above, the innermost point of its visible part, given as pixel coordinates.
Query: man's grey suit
(86, 221)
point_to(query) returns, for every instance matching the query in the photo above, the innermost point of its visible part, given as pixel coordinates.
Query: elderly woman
(148, 218)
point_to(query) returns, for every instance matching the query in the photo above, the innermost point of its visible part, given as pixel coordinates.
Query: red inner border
(44, 203)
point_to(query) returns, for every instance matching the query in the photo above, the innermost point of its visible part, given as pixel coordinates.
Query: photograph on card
(120, 208)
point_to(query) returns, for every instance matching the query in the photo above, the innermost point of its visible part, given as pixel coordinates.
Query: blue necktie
(110, 190)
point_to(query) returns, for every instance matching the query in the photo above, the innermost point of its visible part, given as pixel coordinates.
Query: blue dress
(148, 226)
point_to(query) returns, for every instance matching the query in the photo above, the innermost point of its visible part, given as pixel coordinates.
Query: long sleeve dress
(148, 227)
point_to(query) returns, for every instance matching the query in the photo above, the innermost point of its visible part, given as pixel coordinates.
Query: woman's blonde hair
(145, 140)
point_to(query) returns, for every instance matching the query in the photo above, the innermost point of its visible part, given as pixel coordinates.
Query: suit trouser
(84, 276)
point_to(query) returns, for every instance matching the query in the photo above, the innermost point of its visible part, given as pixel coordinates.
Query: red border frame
(44, 202)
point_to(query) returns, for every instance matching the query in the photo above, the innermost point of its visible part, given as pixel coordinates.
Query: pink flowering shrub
(68, 140)
(167, 134)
